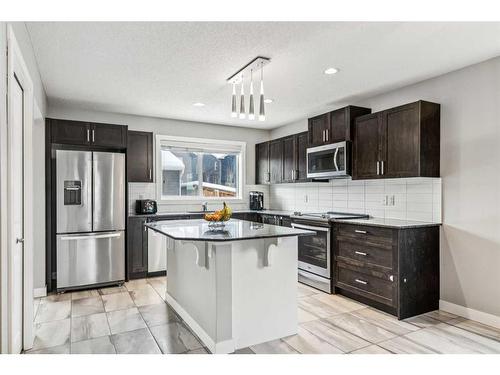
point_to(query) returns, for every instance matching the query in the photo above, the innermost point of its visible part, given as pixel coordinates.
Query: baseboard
(466, 312)
(222, 347)
(40, 292)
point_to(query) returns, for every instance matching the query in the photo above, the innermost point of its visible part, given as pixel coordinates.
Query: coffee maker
(256, 200)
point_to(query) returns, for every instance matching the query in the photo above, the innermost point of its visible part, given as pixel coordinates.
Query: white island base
(237, 293)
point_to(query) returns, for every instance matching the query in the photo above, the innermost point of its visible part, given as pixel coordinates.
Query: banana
(220, 215)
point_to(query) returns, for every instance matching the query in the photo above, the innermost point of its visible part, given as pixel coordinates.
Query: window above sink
(196, 169)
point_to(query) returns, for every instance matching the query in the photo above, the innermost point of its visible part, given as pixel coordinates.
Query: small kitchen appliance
(146, 206)
(256, 200)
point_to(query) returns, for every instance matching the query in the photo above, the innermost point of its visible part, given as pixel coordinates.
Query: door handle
(88, 135)
(150, 174)
(327, 135)
(360, 253)
(382, 167)
(98, 236)
(324, 136)
(93, 136)
(19, 240)
(335, 159)
(360, 231)
(378, 168)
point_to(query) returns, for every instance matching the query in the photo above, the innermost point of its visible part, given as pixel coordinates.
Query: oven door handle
(302, 226)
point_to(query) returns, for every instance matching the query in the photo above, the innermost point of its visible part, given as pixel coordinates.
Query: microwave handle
(335, 159)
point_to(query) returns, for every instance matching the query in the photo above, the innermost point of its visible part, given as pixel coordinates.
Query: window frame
(160, 138)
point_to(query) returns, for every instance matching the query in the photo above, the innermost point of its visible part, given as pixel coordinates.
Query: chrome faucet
(204, 206)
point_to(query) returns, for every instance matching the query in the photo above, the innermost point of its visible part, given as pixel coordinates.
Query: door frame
(17, 66)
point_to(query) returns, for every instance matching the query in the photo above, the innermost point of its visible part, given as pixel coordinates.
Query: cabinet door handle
(150, 174)
(359, 281)
(382, 167)
(93, 136)
(327, 134)
(378, 168)
(360, 231)
(88, 135)
(360, 253)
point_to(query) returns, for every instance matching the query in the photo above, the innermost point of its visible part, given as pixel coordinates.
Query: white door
(16, 105)
(19, 289)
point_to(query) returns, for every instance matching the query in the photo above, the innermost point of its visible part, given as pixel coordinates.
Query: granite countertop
(266, 212)
(234, 230)
(389, 223)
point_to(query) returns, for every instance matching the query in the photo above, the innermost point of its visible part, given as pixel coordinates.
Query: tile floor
(134, 318)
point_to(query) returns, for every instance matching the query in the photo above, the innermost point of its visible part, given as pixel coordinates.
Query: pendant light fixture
(251, 107)
(242, 100)
(238, 79)
(233, 102)
(262, 110)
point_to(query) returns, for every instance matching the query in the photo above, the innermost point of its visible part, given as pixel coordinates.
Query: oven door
(314, 251)
(328, 161)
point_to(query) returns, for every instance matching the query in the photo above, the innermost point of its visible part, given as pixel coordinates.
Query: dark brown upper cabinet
(335, 126)
(282, 160)
(399, 142)
(139, 156)
(276, 161)
(366, 147)
(318, 127)
(70, 132)
(82, 133)
(289, 158)
(262, 163)
(301, 166)
(107, 135)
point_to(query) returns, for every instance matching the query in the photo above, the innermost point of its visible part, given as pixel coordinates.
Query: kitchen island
(235, 286)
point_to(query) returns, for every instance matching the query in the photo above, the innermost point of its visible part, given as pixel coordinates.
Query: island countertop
(234, 230)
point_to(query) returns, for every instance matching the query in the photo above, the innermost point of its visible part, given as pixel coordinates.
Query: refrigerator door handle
(91, 237)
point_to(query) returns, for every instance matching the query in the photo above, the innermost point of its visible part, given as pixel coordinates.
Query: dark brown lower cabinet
(137, 248)
(392, 269)
(248, 216)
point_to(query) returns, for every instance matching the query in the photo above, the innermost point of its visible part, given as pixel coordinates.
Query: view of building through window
(193, 173)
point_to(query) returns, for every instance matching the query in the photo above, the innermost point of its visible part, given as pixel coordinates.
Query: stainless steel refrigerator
(90, 218)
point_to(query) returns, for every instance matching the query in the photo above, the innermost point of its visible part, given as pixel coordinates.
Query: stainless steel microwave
(329, 161)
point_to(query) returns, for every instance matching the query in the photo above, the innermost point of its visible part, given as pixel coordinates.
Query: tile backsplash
(402, 198)
(147, 190)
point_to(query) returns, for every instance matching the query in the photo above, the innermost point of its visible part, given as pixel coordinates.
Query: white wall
(470, 170)
(179, 128)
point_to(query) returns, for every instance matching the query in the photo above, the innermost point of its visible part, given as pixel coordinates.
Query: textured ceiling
(161, 69)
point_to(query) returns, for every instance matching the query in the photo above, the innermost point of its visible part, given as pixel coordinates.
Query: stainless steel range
(315, 252)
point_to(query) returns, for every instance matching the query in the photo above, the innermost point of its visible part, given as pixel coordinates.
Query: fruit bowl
(220, 216)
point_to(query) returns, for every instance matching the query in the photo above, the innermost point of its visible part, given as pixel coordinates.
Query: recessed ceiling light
(267, 101)
(198, 104)
(331, 71)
